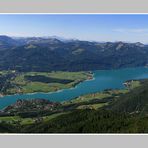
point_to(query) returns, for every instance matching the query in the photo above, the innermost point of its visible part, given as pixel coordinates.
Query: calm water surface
(103, 79)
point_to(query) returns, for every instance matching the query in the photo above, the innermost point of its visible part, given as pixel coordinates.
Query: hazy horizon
(88, 27)
(66, 39)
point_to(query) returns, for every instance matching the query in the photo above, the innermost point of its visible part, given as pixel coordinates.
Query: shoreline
(59, 90)
(89, 78)
(56, 96)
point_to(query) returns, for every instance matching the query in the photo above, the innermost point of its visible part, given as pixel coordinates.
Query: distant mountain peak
(50, 53)
(5, 38)
(120, 45)
(139, 44)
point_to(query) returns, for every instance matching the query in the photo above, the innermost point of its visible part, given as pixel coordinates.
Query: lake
(103, 79)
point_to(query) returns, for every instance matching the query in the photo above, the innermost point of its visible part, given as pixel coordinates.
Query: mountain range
(52, 54)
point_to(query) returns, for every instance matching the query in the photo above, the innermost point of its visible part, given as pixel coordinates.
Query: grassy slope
(27, 121)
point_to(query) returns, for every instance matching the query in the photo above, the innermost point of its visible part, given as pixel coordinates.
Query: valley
(74, 73)
(49, 85)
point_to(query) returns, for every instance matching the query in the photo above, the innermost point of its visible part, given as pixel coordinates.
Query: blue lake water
(103, 79)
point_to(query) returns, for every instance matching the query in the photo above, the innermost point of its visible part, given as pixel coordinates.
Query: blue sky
(129, 28)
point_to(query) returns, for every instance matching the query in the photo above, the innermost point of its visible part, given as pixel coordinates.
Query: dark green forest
(125, 114)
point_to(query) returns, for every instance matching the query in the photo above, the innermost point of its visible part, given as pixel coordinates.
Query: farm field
(29, 82)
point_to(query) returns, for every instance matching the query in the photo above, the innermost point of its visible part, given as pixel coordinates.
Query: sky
(91, 27)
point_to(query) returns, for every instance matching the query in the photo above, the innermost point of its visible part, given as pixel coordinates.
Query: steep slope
(7, 42)
(136, 101)
(47, 54)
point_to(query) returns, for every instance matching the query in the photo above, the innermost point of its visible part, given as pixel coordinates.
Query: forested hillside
(48, 54)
